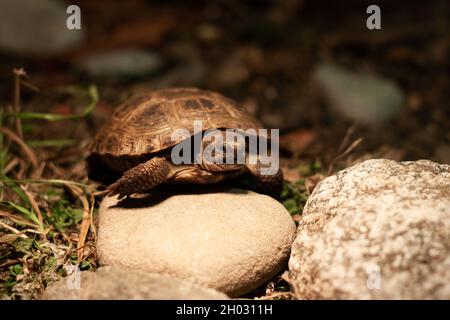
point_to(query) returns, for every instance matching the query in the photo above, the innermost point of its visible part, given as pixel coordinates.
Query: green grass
(91, 91)
(39, 218)
(38, 263)
(64, 215)
(295, 195)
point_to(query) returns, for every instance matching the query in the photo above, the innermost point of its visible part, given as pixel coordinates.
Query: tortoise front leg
(141, 178)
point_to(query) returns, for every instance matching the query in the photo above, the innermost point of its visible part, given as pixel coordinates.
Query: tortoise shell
(144, 124)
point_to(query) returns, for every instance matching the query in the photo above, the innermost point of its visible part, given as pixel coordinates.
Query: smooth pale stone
(114, 283)
(30, 27)
(377, 230)
(230, 241)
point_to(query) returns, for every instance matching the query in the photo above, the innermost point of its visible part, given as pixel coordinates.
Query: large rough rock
(113, 283)
(230, 241)
(377, 230)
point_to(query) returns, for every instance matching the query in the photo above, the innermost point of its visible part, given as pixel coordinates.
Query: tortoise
(137, 141)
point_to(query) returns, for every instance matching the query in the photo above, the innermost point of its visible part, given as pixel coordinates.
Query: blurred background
(310, 68)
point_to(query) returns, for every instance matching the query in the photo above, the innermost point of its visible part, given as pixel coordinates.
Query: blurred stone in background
(30, 27)
(120, 63)
(360, 96)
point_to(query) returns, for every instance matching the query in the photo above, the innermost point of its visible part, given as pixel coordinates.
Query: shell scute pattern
(207, 103)
(145, 124)
(191, 104)
(129, 106)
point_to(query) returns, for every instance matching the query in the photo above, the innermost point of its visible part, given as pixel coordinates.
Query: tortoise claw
(115, 189)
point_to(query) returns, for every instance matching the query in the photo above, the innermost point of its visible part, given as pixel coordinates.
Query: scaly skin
(141, 178)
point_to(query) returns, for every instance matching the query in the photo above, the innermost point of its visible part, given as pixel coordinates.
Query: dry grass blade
(91, 215)
(85, 222)
(8, 262)
(37, 173)
(51, 181)
(18, 73)
(26, 150)
(26, 213)
(346, 140)
(29, 85)
(13, 230)
(350, 149)
(84, 228)
(34, 204)
(11, 165)
(100, 193)
(16, 219)
(8, 238)
(23, 166)
(347, 151)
